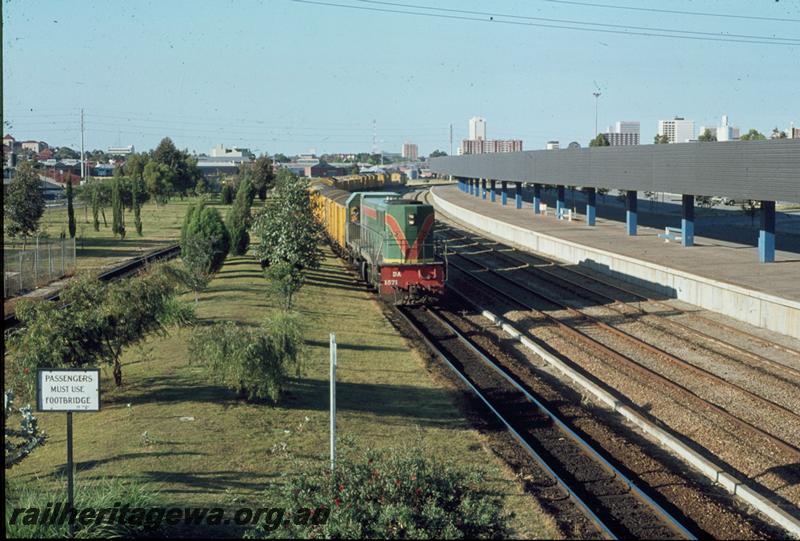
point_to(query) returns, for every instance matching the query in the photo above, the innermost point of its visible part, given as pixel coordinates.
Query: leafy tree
(437, 153)
(777, 134)
(281, 158)
(400, 493)
(227, 194)
(600, 141)
(287, 228)
(753, 135)
(253, 362)
(158, 179)
(70, 210)
(263, 177)
(206, 223)
(20, 442)
(66, 153)
(238, 218)
(96, 321)
(707, 136)
(23, 204)
(183, 167)
(197, 262)
(661, 140)
(117, 219)
(285, 281)
(139, 196)
(135, 164)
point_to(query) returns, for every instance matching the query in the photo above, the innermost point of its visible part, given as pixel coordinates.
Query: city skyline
(170, 79)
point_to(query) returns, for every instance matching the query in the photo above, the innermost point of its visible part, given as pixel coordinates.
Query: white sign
(68, 390)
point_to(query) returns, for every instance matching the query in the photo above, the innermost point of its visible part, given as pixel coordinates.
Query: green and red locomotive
(389, 238)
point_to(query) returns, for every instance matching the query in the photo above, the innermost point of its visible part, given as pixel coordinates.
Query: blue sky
(282, 76)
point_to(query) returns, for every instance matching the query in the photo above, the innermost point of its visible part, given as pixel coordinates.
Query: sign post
(333, 400)
(68, 390)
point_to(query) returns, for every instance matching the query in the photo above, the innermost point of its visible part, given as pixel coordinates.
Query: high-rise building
(624, 133)
(626, 127)
(725, 132)
(477, 128)
(490, 146)
(410, 151)
(677, 130)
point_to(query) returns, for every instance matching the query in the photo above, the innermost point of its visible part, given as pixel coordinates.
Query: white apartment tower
(677, 130)
(477, 128)
(624, 133)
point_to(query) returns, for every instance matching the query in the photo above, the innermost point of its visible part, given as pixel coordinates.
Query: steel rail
(624, 360)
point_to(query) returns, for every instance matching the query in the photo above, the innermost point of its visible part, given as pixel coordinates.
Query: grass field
(232, 453)
(161, 226)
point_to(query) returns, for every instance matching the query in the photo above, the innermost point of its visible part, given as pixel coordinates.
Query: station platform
(720, 276)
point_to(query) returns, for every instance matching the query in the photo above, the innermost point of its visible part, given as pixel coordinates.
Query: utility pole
(596, 99)
(83, 157)
(451, 138)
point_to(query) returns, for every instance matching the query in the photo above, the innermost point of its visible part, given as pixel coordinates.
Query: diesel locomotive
(388, 238)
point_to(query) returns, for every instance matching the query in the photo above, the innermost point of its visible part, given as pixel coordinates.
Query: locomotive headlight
(411, 219)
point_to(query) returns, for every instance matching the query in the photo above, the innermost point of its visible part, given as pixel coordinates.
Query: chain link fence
(39, 263)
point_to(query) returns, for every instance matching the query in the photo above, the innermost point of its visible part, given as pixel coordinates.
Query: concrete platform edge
(754, 307)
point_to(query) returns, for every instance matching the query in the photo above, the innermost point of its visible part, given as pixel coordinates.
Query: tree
(753, 135)
(66, 153)
(263, 177)
(707, 136)
(777, 134)
(437, 153)
(238, 219)
(285, 281)
(158, 179)
(205, 223)
(600, 141)
(281, 158)
(23, 204)
(197, 262)
(287, 228)
(661, 140)
(138, 197)
(96, 321)
(227, 194)
(117, 219)
(70, 210)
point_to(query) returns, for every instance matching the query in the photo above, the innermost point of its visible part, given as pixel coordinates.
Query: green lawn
(161, 226)
(234, 453)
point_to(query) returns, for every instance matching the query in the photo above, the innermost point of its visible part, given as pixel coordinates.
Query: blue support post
(591, 205)
(461, 185)
(504, 194)
(483, 188)
(477, 187)
(472, 186)
(630, 211)
(537, 197)
(493, 195)
(518, 195)
(687, 221)
(766, 236)
(560, 201)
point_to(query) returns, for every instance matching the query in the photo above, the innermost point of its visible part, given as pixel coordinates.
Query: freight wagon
(388, 238)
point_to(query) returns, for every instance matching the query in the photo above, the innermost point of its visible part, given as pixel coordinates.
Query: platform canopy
(763, 170)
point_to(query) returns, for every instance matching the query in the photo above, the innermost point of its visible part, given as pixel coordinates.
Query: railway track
(587, 287)
(608, 499)
(122, 270)
(510, 290)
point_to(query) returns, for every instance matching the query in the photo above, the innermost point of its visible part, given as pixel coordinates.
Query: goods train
(388, 238)
(364, 181)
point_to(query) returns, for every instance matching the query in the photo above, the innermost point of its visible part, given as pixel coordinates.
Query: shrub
(20, 442)
(238, 218)
(98, 495)
(227, 194)
(205, 223)
(392, 495)
(252, 362)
